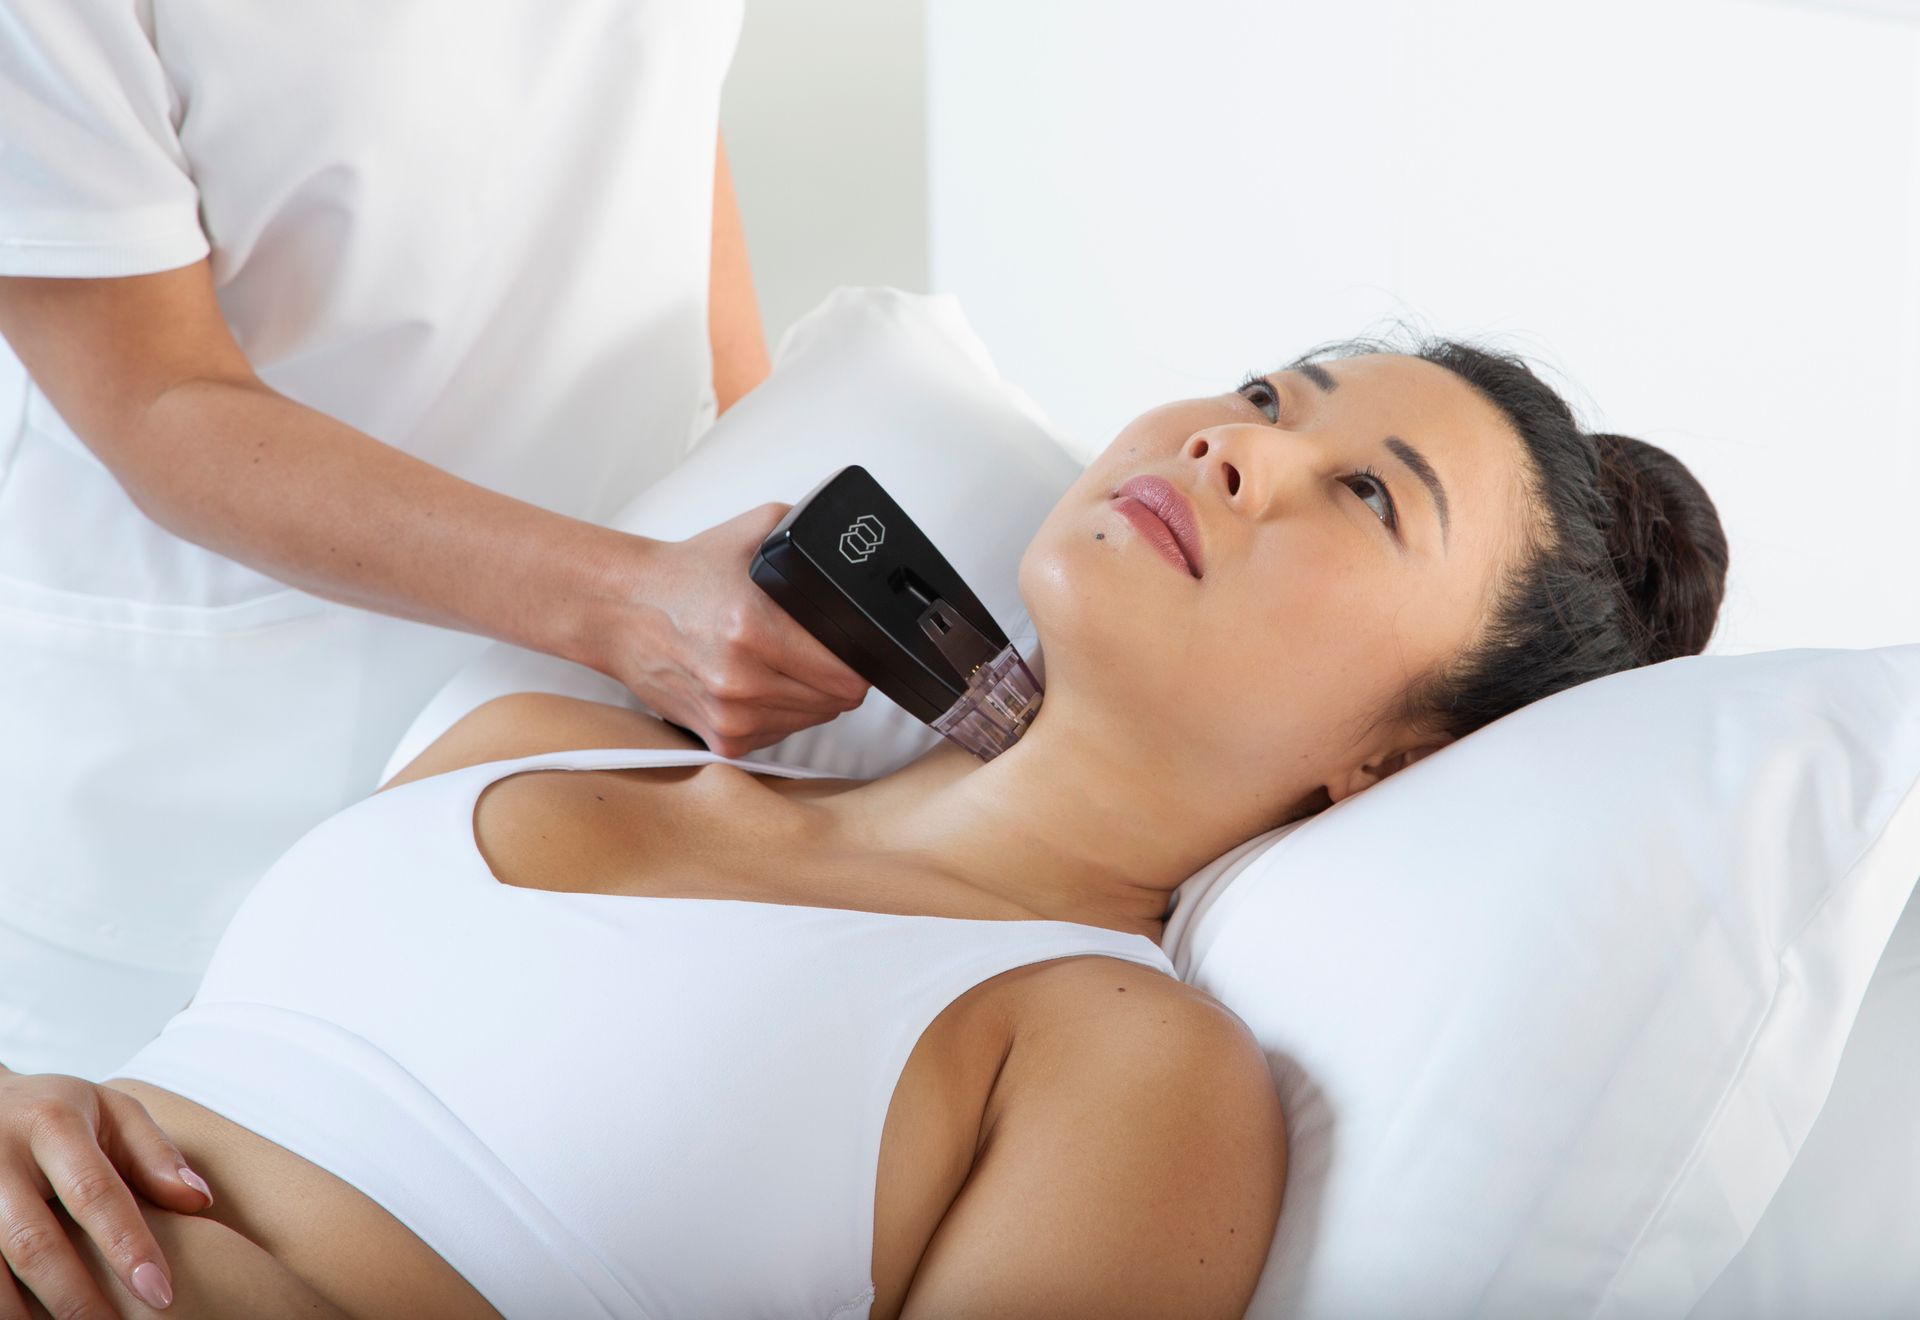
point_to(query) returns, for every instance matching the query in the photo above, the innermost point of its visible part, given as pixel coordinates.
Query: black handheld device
(849, 565)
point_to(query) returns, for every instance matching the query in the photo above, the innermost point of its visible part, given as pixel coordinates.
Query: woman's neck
(1067, 824)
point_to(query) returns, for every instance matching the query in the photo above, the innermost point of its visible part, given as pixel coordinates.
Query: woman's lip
(1173, 511)
(1153, 531)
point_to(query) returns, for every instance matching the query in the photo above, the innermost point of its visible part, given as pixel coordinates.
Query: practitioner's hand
(67, 1138)
(707, 649)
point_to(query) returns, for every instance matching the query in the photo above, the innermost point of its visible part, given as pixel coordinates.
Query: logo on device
(862, 537)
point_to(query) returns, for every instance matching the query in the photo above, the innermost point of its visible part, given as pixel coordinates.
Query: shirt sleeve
(93, 180)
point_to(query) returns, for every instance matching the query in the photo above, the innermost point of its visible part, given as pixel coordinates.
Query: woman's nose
(1214, 452)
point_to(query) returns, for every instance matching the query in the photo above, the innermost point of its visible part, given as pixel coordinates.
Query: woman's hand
(704, 647)
(67, 1138)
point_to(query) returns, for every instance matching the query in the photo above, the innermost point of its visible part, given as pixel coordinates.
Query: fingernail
(151, 1284)
(195, 1181)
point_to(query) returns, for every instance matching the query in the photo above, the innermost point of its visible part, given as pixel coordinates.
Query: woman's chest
(699, 832)
(712, 833)
(690, 831)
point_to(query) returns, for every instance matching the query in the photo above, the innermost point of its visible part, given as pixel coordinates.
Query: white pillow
(1553, 1010)
(896, 382)
(1842, 1236)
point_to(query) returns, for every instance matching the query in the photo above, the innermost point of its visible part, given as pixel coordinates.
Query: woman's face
(1320, 592)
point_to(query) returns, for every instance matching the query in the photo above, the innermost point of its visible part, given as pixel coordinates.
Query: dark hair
(1624, 563)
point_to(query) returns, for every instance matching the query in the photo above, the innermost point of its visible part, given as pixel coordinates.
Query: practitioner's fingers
(147, 1158)
(68, 1147)
(704, 647)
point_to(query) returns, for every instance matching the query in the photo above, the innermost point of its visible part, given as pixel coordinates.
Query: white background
(1701, 217)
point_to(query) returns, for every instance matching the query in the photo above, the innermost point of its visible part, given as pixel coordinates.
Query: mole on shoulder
(1099, 536)
(1121, 988)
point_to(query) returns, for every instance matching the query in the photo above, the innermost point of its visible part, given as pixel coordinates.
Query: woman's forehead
(1421, 392)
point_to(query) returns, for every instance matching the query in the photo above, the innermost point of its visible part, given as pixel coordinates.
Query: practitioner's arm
(146, 371)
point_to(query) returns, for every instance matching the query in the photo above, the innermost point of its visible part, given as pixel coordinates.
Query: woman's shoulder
(1136, 1141)
(1070, 996)
(532, 723)
(1090, 1021)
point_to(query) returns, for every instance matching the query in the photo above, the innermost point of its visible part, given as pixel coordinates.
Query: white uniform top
(477, 232)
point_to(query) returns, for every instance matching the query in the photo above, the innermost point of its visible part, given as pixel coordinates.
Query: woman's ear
(1371, 772)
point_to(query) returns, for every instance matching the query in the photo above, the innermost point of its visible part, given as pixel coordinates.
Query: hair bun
(1666, 543)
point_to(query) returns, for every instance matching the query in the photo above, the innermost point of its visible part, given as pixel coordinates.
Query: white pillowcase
(1842, 1236)
(1551, 1011)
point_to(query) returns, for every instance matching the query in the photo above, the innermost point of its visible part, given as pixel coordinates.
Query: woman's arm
(1134, 1169)
(733, 313)
(217, 1275)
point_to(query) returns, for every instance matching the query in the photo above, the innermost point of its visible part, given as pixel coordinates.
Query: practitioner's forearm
(305, 498)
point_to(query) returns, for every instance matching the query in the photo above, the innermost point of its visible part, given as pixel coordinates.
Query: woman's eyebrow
(1320, 376)
(1417, 464)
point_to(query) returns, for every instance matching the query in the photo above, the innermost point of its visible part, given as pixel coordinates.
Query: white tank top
(588, 1104)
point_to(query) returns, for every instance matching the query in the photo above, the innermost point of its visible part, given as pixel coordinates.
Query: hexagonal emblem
(862, 537)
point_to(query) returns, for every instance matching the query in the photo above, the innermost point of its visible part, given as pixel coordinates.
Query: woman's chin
(1097, 566)
(1106, 637)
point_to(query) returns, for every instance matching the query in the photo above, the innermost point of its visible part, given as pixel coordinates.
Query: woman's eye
(1365, 483)
(1368, 482)
(1260, 394)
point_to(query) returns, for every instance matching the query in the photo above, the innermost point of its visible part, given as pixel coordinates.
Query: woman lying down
(573, 1018)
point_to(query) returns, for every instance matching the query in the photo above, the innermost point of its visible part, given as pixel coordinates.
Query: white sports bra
(384, 1007)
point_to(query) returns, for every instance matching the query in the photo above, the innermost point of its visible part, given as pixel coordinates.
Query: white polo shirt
(477, 232)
